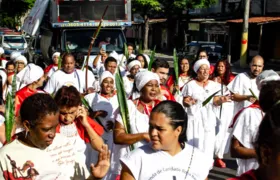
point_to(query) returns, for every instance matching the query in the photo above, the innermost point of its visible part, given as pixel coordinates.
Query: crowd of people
(179, 127)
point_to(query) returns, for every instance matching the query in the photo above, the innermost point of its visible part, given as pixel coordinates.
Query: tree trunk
(146, 34)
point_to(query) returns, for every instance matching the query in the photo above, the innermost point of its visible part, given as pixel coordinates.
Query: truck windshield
(79, 40)
(14, 39)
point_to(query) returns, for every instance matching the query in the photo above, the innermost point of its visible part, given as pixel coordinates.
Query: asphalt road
(224, 173)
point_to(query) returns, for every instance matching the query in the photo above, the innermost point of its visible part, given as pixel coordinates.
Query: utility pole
(244, 41)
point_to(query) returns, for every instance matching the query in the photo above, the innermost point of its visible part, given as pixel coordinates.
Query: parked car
(13, 42)
(214, 50)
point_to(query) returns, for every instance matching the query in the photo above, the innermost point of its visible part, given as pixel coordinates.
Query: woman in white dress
(139, 110)
(168, 156)
(202, 119)
(104, 105)
(133, 67)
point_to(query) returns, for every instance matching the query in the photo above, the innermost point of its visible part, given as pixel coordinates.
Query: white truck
(57, 23)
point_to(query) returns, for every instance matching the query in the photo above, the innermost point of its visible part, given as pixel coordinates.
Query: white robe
(223, 123)
(146, 163)
(128, 86)
(139, 123)
(76, 79)
(241, 85)
(245, 130)
(201, 120)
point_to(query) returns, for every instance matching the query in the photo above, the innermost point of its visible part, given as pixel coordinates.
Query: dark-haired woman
(139, 110)
(184, 77)
(39, 153)
(144, 60)
(69, 76)
(168, 156)
(222, 75)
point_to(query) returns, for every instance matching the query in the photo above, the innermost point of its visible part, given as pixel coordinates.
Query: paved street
(221, 174)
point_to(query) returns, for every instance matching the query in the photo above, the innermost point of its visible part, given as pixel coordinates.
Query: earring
(26, 133)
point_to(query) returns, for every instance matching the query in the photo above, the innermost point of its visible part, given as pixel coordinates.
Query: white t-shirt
(148, 164)
(27, 161)
(241, 85)
(245, 131)
(76, 79)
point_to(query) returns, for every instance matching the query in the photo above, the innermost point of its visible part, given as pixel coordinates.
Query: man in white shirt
(243, 82)
(69, 76)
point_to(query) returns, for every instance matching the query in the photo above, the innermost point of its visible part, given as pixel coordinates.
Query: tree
(168, 8)
(146, 8)
(12, 10)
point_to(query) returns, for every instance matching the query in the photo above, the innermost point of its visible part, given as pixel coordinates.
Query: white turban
(265, 76)
(200, 63)
(143, 77)
(2, 50)
(147, 58)
(14, 55)
(106, 74)
(115, 55)
(30, 74)
(55, 54)
(133, 63)
(21, 58)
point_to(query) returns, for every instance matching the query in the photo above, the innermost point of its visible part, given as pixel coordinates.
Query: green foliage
(209, 98)
(13, 10)
(123, 103)
(152, 59)
(59, 62)
(176, 66)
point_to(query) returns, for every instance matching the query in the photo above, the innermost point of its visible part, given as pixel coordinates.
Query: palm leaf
(209, 98)
(10, 109)
(176, 66)
(152, 59)
(123, 103)
(126, 51)
(67, 48)
(85, 103)
(9, 117)
(253, 94)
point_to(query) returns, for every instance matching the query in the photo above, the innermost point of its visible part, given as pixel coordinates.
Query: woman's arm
(126, 173)
(95, 140)
(121, 137)
(237, 150)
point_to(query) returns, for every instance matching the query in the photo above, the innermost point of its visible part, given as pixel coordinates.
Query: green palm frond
(209, 98)
(123, 103)
(253, 94)
(176, 66)
(152, 59)
(140, 49)
(9, 117)
(10, 109)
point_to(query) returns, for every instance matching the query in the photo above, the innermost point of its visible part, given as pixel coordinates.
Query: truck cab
(70, 25)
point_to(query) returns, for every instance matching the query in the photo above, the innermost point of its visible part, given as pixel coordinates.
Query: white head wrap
(143, 77)
(147, 58)
(14, 55)
(2, 50)
(21, 58)
(106, 74)
(133, 63)
(30, 74)
(265, 76)
(200, 63)
(55, 54)
(115, 55)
